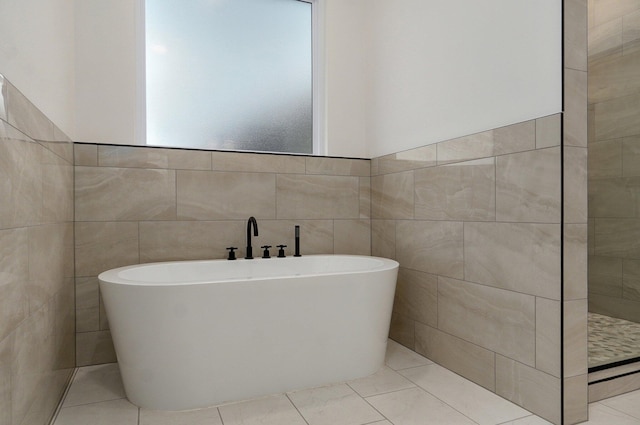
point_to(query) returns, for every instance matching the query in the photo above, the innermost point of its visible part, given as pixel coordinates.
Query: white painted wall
(345, 77)
(439, 69)
(106, 71)
(37, 55)
(399, 73)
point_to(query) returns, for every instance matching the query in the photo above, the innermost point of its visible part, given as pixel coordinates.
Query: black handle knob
(232, 254)
(265, 253)
(281, 251)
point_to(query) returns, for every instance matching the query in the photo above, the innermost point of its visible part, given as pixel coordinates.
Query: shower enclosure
(614, 188)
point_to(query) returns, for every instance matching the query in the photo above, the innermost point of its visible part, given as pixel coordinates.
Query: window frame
(319, 142)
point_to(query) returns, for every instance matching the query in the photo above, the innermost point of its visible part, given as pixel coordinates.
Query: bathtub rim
(112, 277)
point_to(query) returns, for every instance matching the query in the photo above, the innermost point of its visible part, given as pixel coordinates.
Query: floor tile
(479, 404)
(383, 381)
(209, 416)
(400, 357)
(599, 414)
(415, 406)
(95, 383)
(272, 410)
(333, 405)
(628, 403)
(528, 420)
(113, 412)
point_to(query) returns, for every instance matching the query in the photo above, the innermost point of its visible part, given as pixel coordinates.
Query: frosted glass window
(229, 74)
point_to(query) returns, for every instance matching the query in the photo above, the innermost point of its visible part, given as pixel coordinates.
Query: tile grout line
(295, 407)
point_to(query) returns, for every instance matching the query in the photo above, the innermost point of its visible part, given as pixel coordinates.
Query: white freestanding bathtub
(192, 334)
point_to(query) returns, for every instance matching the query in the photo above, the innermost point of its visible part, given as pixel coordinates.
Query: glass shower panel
(229, 74)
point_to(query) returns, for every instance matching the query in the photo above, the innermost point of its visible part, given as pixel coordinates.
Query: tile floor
(410, 389)
(612, 339)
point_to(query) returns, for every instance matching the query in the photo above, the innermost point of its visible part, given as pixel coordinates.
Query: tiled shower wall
(574, 140)
(37, 336)
(475, 224)
(143, 204)
(614, 159)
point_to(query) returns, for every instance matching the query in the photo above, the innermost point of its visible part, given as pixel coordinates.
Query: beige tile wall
(37, 337)
(614, 165)
(476, 226)
(142, 204)
(575, 130)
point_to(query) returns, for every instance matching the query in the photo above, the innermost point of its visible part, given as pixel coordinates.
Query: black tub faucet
(251, 221)
(297, 240)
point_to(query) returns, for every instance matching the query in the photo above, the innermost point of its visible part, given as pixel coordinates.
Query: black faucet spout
(251, 222)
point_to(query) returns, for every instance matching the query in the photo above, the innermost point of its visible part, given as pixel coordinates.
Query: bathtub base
(204, 345)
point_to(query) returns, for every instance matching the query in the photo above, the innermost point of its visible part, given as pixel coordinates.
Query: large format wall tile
(527, 188)
(465, 148)
(575, 342)
(365, 197)
(14, 272)
(617, 237)
(37, 335)
(57, 189)
(141, 157)
(416, 296)
(521, 257)
(87, 304)
(191, 240)
(430, 246)
(514, 138)
(614, 197)
(575, 34)
(6, 358)
(575, 266)
(575, 185)
(85, 154)
(605, 40)
(548, 132)
(48, 269)
(469, 360)
(317, 197)
(606, 159)
(630, 157)
(631, 279)
(213, 195)
(614, 307)
(337, 166)
(617, 118)
(605, 275)
(614, 77)
(499, 320)
(460, 191)
(20, 164)
(548, 336)
(205, 195)
(425, 156)
(575, 108)
(109, 194)
(24, 116)
(383, 238)
(316, 236)
(576, 399)
(102, 246)
(352, 237)
(94, 348)
(530, 388)
(392, 196)
(257, 163)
